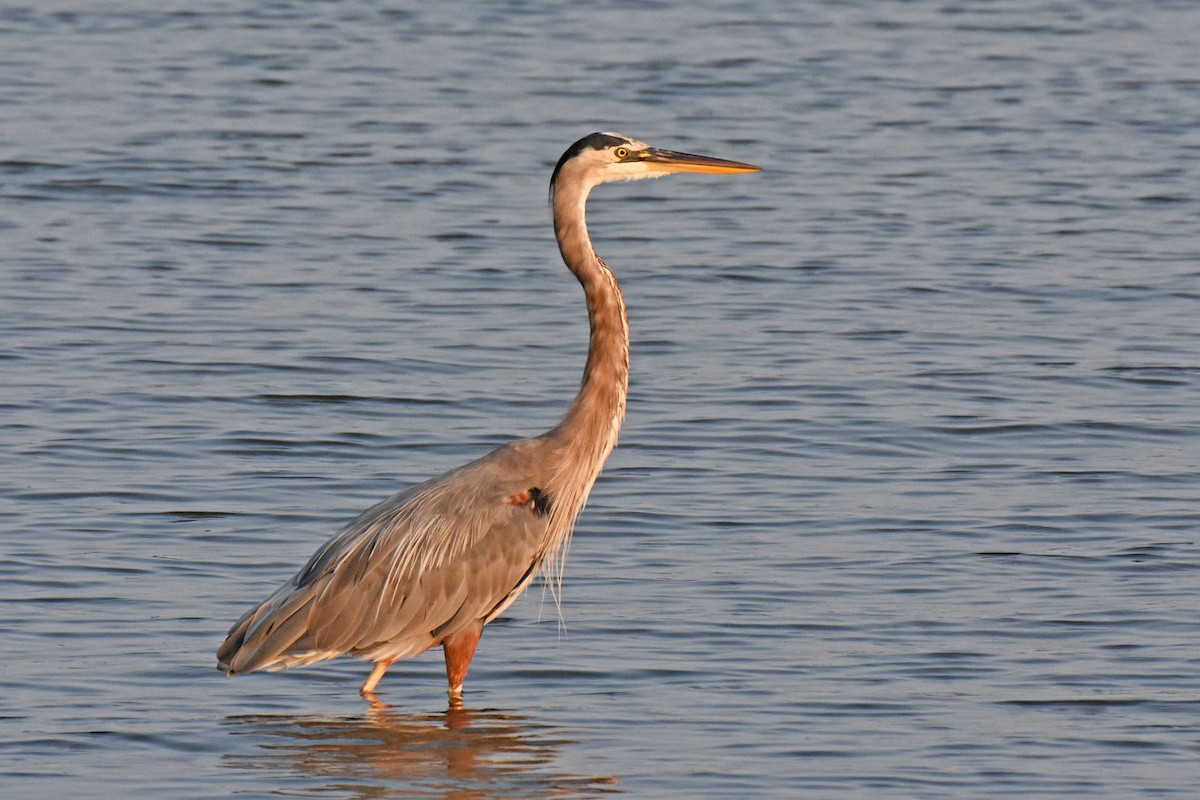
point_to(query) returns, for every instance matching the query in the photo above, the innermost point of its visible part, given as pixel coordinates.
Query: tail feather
(264, 636)
(233, 643)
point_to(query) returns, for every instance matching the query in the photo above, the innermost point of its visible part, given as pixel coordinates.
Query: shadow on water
(384, 752)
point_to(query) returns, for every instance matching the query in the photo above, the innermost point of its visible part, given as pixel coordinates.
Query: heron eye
(621, 152)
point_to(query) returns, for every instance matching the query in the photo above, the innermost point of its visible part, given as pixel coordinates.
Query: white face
(594, 167)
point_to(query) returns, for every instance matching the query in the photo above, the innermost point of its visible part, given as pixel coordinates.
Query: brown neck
(588, 431)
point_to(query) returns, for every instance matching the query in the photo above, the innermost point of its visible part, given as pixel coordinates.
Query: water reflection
(388, 753)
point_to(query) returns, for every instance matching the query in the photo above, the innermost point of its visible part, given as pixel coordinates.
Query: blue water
(908, 499)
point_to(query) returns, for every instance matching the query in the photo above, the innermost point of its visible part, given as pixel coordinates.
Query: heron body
(435, 563)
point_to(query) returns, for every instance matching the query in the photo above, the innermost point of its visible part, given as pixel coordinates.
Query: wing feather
(405, 573)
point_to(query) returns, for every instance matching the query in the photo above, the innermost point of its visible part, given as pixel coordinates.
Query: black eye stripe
(594, 141)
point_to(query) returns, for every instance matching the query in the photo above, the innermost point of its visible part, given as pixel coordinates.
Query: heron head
(603, 157)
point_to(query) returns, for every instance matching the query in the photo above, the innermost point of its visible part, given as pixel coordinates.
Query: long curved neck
(589, 429)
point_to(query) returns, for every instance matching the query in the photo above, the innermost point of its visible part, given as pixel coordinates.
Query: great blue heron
(435, 563)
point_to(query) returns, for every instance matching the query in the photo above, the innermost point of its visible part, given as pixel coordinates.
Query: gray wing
(407, 572)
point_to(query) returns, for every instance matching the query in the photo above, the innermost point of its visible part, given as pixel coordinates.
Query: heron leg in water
(459, 649)
(381, 667)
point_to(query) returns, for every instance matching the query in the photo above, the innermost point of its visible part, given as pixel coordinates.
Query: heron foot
(376, 703)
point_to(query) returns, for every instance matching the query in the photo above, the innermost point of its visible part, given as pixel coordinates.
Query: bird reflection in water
(383, 752)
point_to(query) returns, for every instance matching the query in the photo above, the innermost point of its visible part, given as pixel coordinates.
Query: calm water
(907, 504)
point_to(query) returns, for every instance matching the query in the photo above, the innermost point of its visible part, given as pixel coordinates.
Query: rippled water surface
(907, 503)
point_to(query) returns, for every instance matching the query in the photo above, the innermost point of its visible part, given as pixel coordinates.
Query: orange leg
(459, 649)
(368, 688)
